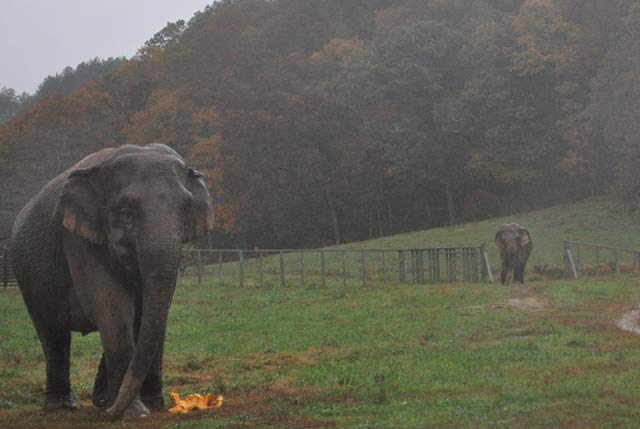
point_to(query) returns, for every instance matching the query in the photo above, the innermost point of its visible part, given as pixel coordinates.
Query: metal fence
(588, 258)
(283, 267)
(7, 278)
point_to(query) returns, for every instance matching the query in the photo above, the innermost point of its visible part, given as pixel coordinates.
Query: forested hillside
(320, 121)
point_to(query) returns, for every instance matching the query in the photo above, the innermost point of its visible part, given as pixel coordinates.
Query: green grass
(449, 356)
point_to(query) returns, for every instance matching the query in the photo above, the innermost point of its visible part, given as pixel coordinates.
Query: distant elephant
(98, 249)
(515, 247)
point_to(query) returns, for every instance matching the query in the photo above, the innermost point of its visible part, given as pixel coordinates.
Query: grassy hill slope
(602, 221)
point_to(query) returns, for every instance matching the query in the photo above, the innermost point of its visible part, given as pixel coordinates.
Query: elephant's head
(512, 239)
(141, 203)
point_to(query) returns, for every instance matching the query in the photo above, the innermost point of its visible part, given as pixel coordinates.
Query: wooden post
(241, 267)
(323, 268)
(454, 265)
(302, 267)
(401, 265)
(220, 273)
(344, 269)
(5, 267)
(363, 262)
(199, 263)
(413, 264)
(436, 264)
(282, 276)
(384, 267)
(465, 265)
(261, 270)
(570, 268)
(475, 266)
(431, 271)
(487, 265)
(578, 260)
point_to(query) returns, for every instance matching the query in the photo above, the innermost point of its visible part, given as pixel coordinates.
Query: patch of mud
(630, 321)
(529, 303)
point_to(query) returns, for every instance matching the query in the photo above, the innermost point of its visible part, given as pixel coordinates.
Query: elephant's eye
(125, 216)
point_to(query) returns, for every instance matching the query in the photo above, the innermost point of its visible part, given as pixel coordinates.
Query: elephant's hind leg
(56, 342)
(55, 338)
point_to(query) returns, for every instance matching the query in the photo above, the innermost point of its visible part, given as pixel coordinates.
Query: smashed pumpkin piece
(193, 402)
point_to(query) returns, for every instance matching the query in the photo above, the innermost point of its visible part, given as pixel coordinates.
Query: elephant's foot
(60, 402)
(101, 400)
(153, 402)
(136, 410)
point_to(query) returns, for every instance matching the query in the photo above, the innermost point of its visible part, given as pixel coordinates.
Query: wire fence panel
(270, 268)
(7, 277)
(594, 259)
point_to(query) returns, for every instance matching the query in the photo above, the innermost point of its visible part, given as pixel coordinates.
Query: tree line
(325, 121)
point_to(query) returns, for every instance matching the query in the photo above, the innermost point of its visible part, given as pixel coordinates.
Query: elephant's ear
(80, 205)
(199, 220)
(498, 239)
(526, 238)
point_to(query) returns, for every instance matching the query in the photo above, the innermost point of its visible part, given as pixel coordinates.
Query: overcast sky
(40, 37)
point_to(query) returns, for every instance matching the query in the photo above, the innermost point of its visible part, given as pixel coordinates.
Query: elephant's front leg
(504, 273)
(111, 305)
(519, 273)
(151, 392)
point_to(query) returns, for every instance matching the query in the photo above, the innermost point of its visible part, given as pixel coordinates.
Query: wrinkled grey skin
(98, 249)
(514, 243)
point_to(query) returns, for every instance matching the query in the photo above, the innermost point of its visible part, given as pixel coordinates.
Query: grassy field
(545, 355)
(601, 221)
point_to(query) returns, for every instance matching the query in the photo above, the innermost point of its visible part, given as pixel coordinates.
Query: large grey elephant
(98, 249)
(515, 247)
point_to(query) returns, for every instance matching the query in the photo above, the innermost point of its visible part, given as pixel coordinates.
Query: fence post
(344, 269)
(220, 272)
(400, 268)
(323, 269)
(241, 267)
(5, 267)
(570, 267)
(476, 267)
(282, 276)
(199, 263)
(261, 270)
(465, 265)
(487, 265)
(431, 265)
(364, 267)
(384, 267)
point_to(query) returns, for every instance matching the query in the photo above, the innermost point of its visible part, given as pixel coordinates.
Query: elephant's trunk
(159, 261)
